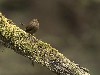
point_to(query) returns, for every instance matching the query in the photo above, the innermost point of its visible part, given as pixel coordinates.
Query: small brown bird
(32, 27)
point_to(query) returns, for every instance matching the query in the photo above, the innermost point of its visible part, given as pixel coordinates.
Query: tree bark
(29, 46)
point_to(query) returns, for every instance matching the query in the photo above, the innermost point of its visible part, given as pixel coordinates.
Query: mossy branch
(27, 45)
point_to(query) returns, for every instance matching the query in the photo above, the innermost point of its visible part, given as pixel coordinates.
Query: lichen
(27, 45)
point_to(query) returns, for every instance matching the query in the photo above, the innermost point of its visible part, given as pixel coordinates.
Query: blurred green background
(71, 26)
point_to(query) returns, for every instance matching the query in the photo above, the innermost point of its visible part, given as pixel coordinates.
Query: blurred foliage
(71, 26)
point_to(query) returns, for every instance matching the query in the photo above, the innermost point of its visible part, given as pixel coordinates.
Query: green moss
(27, 45)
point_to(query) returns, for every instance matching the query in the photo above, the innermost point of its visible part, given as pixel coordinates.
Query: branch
(27, 45)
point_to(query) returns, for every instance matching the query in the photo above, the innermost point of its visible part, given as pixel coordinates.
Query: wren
(32, 27)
